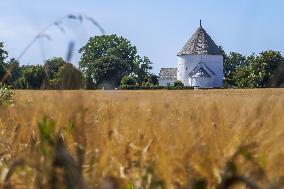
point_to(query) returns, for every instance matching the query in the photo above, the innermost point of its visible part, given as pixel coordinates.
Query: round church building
(200, 62)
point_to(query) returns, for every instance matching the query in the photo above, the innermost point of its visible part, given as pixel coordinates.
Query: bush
(178, 84)
(128, 81)
(6, 95)
(152, 79)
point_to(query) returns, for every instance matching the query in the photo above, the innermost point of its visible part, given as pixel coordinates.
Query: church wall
(186, 63)
(204, 82)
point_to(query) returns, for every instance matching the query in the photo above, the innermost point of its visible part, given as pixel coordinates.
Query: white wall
(201, 82)
(186, 63)
(164, 82)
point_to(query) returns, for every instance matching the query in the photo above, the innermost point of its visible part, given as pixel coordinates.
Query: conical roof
(200, 43)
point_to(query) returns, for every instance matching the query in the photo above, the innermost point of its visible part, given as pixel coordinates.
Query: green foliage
(253, 71)
(109, 71)
(278, 79)
(56, 161)
(14, 73)
(128, 81)
(106, 59)
(133, 83)
(231, 63)
(143, 67)
(3, 53)
(52, 67)
(105, 55)
(152, 80)
(3, 57)
(69, 77)
(2, 71)
(178, 84)
(33, 77)
(62, 75)
(46, 130)
(6, 95)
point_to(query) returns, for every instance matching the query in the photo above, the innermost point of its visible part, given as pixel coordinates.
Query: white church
(200, 64)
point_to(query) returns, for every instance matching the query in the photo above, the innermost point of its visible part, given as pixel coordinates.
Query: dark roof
(168, 73)
(200, 43)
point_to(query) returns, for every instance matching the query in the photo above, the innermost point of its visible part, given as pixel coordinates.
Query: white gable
(201, 71)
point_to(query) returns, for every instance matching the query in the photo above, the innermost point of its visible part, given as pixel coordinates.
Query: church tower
(200, 62)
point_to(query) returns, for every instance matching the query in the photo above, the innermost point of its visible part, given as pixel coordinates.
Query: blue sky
(159, 28)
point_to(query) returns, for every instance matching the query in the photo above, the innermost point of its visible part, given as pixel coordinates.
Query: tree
(231, 63)
(68, 77)
(278, 77)
(52, 66)
(152, 79)
(62, 75)
(109, 71)
(259, 70)
(270, 61)
(106, 59)
(14, 73)
(33, 77)
(128, 81)
(178, 84)
(3, 66)
(143, 68)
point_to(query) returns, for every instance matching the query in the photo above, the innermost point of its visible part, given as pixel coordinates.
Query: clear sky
(159, 28)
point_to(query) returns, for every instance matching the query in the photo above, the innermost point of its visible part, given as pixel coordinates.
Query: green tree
(33, 77)
(106, 59)
(109, 71)
(68, 77)
(231, 63)
(52, 66)
(259, 70)
(14, 73)
(152, 79)
(278, 77)
(62, 75)
(143, 67)
(270, 61)
(178, 84)
(128, 81)
(3, 66)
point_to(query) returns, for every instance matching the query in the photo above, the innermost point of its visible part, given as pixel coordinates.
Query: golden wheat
(149, 139)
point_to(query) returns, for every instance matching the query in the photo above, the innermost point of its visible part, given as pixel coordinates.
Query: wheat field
(142, 139)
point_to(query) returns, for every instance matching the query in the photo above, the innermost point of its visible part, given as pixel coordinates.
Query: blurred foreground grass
(142, 139)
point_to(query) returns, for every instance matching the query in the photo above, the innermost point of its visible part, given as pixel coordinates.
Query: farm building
(167, 76)
(200, 63)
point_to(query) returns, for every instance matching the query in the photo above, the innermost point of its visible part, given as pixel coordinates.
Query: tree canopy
(254, 71)
(62, 75)
(33, 77)
(106, 59)
(3, 57)
(110, 61)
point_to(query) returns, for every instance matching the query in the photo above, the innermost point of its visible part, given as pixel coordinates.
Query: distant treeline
(109, 62)
(255, 71)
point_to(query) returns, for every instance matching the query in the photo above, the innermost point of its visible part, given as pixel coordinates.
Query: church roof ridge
(200, 43)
